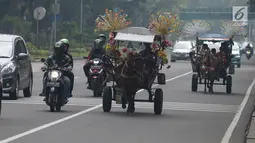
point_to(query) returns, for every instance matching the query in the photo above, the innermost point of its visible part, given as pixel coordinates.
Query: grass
(38, 54)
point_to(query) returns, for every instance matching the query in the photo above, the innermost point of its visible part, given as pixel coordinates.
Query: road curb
(74, 58)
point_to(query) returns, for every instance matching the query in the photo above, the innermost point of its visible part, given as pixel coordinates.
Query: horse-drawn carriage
(134, 71)
(129, 70)
(208, 66)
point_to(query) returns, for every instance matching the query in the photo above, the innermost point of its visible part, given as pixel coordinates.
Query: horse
(209, 69)
(130, 77)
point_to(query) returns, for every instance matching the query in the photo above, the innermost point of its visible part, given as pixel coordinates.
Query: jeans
(67, 86)
(70, 75)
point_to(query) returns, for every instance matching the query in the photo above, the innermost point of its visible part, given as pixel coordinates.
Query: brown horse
(209, 68)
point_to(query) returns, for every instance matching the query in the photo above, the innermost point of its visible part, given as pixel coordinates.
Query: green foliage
(16, 17)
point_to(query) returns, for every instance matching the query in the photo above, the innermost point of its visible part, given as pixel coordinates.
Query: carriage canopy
(135, 34)
(213, 37)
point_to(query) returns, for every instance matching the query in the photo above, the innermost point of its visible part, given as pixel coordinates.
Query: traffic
(136, 69)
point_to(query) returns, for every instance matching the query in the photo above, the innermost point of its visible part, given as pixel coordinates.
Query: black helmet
(98, 44)
(59, 48)
(101, 36)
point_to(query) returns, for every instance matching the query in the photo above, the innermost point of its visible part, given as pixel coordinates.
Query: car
(1, 94)
(236, 52)
(181, 50)
(16, 66)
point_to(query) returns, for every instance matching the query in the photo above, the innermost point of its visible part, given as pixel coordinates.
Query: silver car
(181, 50)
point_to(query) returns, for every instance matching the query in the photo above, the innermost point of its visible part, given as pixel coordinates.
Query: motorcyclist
(69, 74)
(62, 61)
(96, 52)
(249, 48)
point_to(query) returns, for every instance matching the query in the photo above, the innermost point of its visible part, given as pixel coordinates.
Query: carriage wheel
(158, 101)
(161, 78)
(229, 84)
(194, 82)
(107, 99)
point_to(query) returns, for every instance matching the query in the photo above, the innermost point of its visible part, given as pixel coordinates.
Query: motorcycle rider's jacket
(97, 50)
(59, 57)
(248, 47)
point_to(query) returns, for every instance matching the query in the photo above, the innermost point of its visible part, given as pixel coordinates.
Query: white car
(181, 50)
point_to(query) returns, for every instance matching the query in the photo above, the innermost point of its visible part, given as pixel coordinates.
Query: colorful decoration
(163, 55)
(112, 20)
(195, 27)
(164, 23)
(232, 28)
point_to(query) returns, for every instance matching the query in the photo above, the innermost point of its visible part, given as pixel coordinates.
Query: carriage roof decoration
(164, 23)
(232, 28)
(112, 20)
(194, 28)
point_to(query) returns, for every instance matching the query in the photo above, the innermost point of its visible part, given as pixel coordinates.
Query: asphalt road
(188, 117)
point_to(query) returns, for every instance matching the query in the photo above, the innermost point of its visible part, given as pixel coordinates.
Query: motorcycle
(54, 87)
(248, 54)
(97, 77)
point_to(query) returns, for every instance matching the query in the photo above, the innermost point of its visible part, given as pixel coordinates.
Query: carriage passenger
(213, 51)
(221, 55)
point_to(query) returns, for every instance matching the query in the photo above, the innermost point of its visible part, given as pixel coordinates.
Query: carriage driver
(221, 55)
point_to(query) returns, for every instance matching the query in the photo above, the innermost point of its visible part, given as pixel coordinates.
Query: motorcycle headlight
(95, 62)
(9, 68)
(54, 75)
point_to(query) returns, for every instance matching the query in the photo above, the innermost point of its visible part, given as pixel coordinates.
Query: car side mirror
(42, 60)
(22, 56)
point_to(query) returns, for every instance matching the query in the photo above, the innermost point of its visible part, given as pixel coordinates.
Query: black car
(16, 66)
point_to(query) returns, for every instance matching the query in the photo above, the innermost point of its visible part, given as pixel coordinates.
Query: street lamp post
(81, 18)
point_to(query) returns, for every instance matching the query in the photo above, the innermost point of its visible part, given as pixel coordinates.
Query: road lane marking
(171, 79)
(15, 137)
(179, 106)
(232, 126)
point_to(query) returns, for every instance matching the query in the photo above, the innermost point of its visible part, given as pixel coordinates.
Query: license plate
(53, 84)
(96, 67)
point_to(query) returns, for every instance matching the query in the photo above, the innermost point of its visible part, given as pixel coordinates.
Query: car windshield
(183, 46)
(6, 49)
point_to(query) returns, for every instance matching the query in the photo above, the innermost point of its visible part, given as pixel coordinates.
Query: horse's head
(135, 61)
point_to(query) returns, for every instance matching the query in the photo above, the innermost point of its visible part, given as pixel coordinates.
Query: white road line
(171, 79)
(15, 137)
(232, 126)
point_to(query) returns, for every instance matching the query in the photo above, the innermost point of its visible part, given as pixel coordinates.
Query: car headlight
(54, 75)
(9, 68)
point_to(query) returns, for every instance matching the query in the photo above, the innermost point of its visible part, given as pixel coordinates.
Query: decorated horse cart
(131, 70)
(208, 67)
